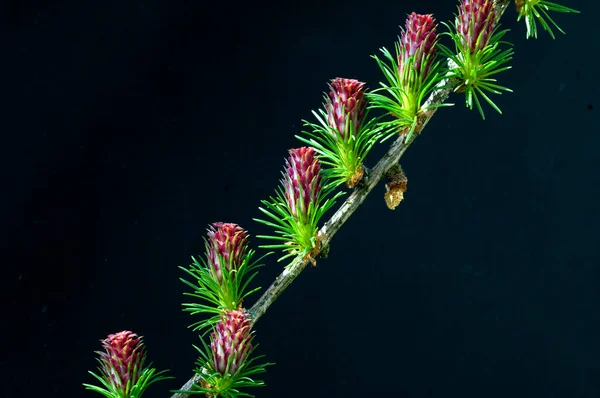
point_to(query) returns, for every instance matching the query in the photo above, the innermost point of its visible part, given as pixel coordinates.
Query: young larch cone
(346, 106)
(227, 244)
(418, 40)
(302, 180)
(122, 361)
(231, 342)
(475, 23)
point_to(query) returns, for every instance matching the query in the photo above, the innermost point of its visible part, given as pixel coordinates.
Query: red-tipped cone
(418, 40)
(226, 246)
(346, 106)
(231, 342)
(302, 180)
(122, 360)
(475, 23)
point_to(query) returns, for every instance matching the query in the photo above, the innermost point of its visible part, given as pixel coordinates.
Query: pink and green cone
(302, 181)
(411, 75)
(226, 246)
(343, 136)
(417, 50)
(477, 57)
(122, 367)
(475, 23)
(220, 280)
(226, 364)
(231, 342)
(295, 212)
(122, 359)
(346, 106)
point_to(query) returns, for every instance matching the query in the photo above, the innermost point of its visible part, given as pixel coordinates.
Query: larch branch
(326, 233)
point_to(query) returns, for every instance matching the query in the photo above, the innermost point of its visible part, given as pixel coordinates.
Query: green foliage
(148, 376)
(214, 297)
(297, 234)
(537, 11)
(473, 72)
(342, 156)
(404, 94)
(226, 386)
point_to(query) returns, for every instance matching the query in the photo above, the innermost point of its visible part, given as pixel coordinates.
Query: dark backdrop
(129, 126)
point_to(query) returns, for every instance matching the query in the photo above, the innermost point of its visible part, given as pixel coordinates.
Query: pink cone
(226, 241)
(302, 180)
(476, 22)
(122, 360)
(418, 39)
(345, 104)
(231, 342)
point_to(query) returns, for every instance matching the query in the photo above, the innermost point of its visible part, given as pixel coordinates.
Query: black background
(129, 126)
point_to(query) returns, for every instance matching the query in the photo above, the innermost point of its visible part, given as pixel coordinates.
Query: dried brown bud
(360, 172)
(395, 186)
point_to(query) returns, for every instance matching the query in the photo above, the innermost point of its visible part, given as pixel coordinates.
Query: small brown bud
(395, 186)
(351, 183)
